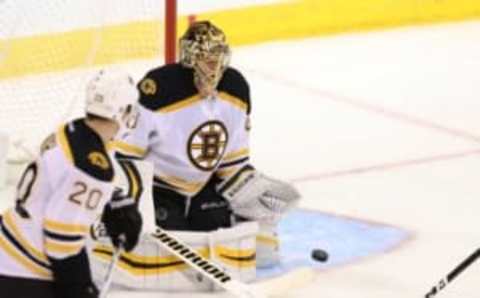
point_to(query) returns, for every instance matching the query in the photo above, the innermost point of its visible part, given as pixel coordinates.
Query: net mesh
(50, 48)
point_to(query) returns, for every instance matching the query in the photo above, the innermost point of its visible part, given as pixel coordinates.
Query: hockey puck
(319, 255)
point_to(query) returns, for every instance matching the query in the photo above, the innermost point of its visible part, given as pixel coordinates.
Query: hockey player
(193, 125)
(42, 238)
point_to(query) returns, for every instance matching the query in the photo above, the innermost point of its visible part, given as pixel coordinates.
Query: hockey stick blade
(205, 266)
(454, 273)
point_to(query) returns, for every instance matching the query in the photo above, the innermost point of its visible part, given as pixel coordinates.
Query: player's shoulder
(234, 84)
(233, 75)
(166, 73)
(166, 85)
(85, 150)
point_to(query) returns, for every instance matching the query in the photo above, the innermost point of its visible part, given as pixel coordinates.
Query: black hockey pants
(15, 287)
(206, 211)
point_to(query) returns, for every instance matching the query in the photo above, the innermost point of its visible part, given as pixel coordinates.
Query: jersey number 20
(83, 196)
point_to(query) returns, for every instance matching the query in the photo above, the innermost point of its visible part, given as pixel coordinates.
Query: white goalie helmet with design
(111, 95)
(204, 48)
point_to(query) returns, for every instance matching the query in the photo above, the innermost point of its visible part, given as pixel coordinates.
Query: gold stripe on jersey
(126, 148)
(181, 104)
(9, 224)
(63, 247)
(224, 173)
(233, 100)
(241, 153)
(65, 228)
(23, 260)
(64, 144)
(191, 187)
(134, 179)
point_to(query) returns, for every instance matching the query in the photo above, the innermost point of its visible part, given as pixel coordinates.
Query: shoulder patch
(148, 86)
(84, 148)
(165, 86)
(98, 159)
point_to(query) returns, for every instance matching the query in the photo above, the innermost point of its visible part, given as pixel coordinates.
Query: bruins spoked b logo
(207, 144)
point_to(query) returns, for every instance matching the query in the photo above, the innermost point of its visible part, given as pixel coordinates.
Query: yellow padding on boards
(283, 20)
(305, 18)
(80, 48)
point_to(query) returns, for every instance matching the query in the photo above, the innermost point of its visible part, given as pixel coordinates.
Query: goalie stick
(224, 280)
(454, 273)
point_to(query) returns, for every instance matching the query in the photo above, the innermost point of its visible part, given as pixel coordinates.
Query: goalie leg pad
(150, 267)
(268, 245)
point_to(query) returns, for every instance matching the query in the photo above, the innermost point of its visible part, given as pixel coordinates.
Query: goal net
(49, 49)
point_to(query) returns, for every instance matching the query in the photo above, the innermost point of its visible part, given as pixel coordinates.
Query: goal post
(170, 30)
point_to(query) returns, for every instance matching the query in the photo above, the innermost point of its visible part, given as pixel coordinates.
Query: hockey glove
(123, 221)
(256, 196)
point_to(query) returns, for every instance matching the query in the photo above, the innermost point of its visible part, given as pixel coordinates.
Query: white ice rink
(382, 127)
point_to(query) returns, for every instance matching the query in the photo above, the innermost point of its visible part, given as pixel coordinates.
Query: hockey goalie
(190, 142)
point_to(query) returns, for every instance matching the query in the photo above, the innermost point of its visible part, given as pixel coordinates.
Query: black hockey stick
(204, 266)
(272, 287)
(454, 273)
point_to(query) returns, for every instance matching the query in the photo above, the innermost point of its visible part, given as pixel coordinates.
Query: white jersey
(58, 197)
(189, 138)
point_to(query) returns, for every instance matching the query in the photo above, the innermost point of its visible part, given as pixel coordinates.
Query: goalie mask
(112, 95)
(204, 48)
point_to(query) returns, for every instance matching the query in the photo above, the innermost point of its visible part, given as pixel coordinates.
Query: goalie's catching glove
(256, 196)
(122, 220)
